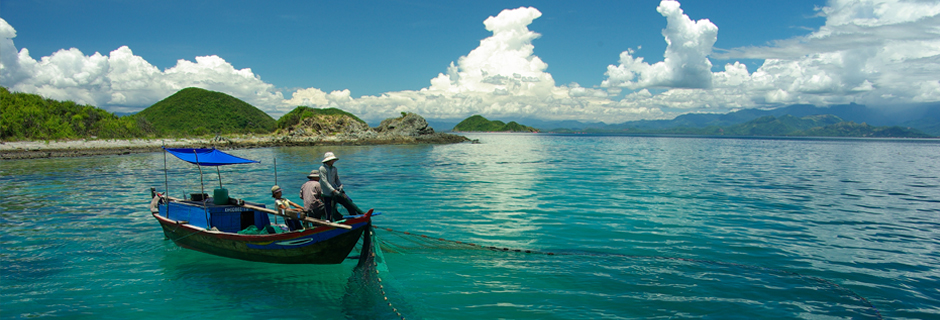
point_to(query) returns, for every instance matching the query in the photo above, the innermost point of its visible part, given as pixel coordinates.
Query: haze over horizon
(600, 62)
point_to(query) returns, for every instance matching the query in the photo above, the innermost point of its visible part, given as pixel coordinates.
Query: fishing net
(392, 241)
(637, 279)
(269, 229)
(367, 295)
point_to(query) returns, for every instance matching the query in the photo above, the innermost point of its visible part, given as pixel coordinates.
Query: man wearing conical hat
(332, 189)
(312, 196)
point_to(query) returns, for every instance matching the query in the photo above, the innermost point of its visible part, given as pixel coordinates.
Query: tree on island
(31, 117)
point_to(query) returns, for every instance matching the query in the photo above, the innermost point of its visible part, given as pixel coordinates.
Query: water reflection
(496, 184)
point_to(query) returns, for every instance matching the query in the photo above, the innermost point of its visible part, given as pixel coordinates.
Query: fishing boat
(233, 228)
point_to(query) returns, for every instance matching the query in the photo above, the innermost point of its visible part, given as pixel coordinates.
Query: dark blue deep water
(618, 227)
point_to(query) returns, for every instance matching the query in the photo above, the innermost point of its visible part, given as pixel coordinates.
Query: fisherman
(283, 206)
(312, 196)
(332, 189)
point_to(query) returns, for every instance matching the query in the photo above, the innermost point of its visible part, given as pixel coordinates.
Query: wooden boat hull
(319, 245)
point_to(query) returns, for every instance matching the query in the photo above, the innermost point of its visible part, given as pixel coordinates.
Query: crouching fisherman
(283, 206)
(312, 195)
(332, 189)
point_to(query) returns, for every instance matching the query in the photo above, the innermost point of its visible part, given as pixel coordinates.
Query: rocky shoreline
(19, 150)
(410, 128)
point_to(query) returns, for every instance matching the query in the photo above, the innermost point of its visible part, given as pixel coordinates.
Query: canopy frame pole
(202, 187)
(166, 181)
(220, 176)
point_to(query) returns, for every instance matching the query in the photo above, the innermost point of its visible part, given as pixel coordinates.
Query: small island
(478, 123)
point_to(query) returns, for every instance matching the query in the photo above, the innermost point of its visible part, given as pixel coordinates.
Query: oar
(275, 183)
(307, 219)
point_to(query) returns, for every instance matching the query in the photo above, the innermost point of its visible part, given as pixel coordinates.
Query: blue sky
(555, 60)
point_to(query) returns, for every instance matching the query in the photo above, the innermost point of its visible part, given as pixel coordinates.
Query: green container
(220, 196)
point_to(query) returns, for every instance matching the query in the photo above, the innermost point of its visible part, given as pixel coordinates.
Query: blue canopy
(207, 157)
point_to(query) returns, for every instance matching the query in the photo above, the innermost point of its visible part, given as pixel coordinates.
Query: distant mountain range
(790, 126)
(922, 117)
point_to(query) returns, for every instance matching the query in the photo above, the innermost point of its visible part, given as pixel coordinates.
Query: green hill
(478, 123)
(195, 111)
(31, 117)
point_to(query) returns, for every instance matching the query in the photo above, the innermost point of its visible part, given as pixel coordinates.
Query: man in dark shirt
(312, 196)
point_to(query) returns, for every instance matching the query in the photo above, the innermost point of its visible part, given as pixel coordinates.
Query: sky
(606, 61)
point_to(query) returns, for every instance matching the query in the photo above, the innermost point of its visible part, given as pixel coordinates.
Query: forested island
(478, 123)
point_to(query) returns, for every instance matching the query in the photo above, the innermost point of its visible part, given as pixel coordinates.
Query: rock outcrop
(409, 125)
(325, 126)
(343, 129)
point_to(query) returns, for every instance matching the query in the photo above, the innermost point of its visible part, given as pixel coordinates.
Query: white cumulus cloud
(502, 77)
(868, 51)
(122, 81)
(877, 52)
(686, 64)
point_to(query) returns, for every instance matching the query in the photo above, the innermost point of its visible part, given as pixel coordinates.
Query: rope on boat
(829, 283)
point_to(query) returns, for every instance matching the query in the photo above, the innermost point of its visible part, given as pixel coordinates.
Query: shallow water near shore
(616, 227)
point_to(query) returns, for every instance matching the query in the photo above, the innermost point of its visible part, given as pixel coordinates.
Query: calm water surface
(617, 228)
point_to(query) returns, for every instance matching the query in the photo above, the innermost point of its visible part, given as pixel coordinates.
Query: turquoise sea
(616, 227)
